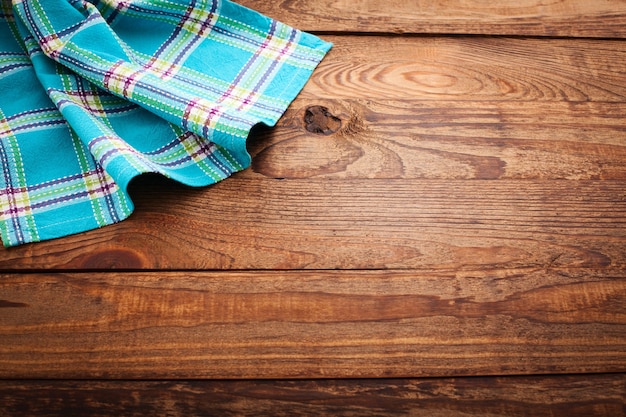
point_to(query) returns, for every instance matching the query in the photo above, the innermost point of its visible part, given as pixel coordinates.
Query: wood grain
(438, 140)
(430, 206)
(471, 68)
(562, 396)
(435, 112)
(316, 324)
(353, 224)
(457, 108)
(571, 18)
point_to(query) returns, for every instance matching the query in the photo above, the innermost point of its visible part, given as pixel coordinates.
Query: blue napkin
(94, 93)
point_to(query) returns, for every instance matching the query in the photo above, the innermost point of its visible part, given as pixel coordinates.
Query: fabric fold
(121, 88)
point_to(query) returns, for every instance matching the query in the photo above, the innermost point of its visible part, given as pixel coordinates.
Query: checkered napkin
(94, 93)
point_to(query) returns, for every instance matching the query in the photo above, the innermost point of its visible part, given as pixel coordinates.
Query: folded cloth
(94, 93)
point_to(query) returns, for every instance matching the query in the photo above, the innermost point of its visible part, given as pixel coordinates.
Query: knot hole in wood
(114, 259)
(318, 119)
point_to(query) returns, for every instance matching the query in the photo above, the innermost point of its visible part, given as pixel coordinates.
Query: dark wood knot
(114, 259)
(318, 119)
(11, 304)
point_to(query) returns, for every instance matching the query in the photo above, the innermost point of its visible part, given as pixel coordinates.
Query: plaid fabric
(94, 93)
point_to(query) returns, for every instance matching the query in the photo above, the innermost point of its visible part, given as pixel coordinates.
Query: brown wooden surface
(316, 324)
(430, 206)
(598, 18)
(589, 395)
(414, 128)
(450, 225)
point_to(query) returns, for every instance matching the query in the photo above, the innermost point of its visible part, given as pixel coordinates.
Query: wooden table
(437, 226)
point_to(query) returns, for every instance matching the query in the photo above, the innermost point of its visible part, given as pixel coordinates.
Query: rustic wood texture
(413, 128)
(438, 202)
(317, 324)
(572, 18)
(589, 395)
(355, 224)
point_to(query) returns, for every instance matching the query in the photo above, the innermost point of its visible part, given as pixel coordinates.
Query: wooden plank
(312, 324)
(457, 108)
(471, 68)
(411, 139)
(572, 18)
(445, 69)
(353, 224)
(566, 396)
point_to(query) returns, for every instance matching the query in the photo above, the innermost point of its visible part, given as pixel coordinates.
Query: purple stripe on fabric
(58, 181)
(37, 124)
(165, 148)
(203, 148)
(256, 44)
(97, 140)
(104, 188)
(204, 26)
(29, 17)
(249, 64)
(107, 74)
(217, 163)
(30, 112)
(241, 73)
(118, 110)
(201, 151)
(84, 95)
(273, 65)
(102, 159)
(15, 54)
(121, 5)
(13, 209)
(144, 10)
(76, 26)
(176, 30)
(187, 112)
(215, 90)
(145, 86)
(12, 67)
(108, 198)
(213, 113)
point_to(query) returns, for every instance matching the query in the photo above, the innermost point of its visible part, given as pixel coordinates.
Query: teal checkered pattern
(94, 93)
